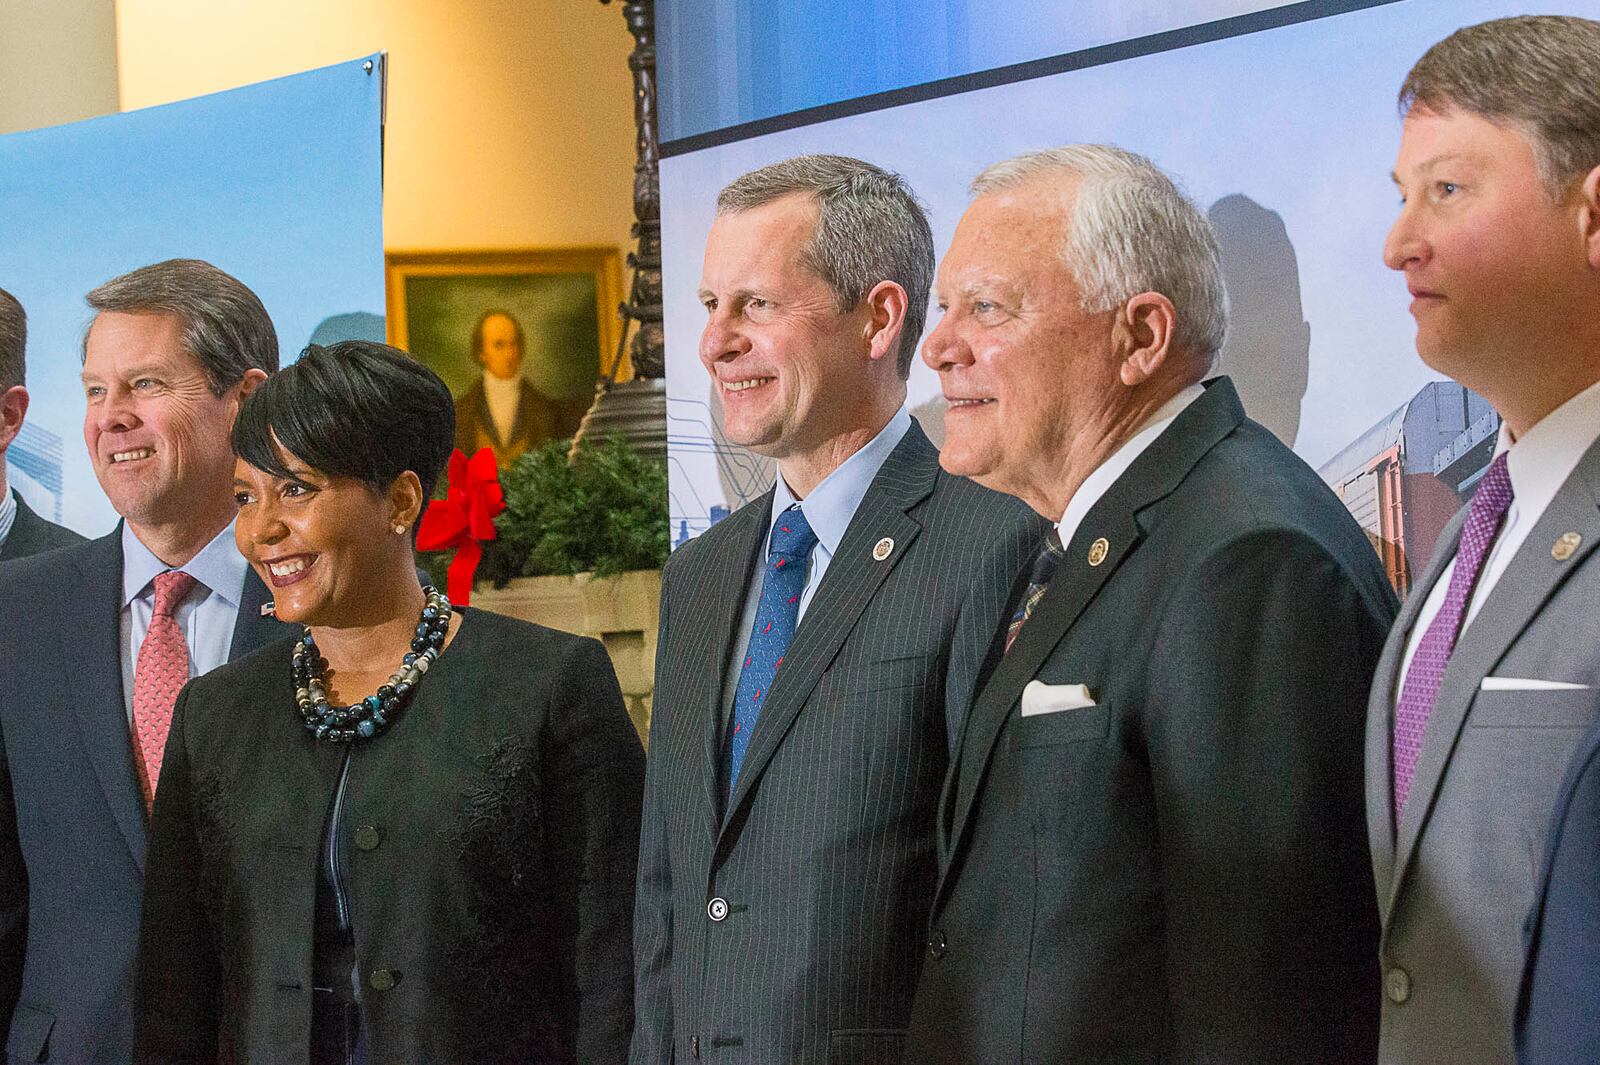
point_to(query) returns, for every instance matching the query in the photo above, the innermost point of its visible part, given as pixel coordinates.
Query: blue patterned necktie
(777, 613)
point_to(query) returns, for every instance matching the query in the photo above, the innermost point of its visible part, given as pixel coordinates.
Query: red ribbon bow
(463, 519)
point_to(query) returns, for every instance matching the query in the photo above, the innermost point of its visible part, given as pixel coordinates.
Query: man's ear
(13, 409)
(1143, 332)
(886, 318)
(1589, 216)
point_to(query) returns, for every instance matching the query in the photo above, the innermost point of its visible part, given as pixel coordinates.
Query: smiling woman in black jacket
(409, 833)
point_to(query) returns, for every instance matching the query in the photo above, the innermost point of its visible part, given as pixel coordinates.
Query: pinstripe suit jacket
(784, 926)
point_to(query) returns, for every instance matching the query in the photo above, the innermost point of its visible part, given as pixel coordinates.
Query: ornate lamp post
(636, 410)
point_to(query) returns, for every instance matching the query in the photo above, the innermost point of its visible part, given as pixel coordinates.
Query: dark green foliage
(605, 512)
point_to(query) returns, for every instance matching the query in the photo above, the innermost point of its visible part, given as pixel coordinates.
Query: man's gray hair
(225, 327)
(13, 342)
(1132, 230)
(870, 228)
(1534, 73)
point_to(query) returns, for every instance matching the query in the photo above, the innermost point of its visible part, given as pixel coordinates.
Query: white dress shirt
(206, 616)
(504, 395)
(1538, 464)
(1105, 475)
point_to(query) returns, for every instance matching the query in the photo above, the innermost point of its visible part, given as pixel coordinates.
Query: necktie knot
(172, 587)
(792, 537)
(1049, 557)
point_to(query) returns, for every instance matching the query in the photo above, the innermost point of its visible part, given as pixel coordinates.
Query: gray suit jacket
(1456, 879)
(786, 928)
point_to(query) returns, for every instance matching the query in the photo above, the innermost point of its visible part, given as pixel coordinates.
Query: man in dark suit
(1558, 1005)
(97, 638)
(812, 645)
(502, 411)
(1490, 676)
(1151, 833)
(22, 532)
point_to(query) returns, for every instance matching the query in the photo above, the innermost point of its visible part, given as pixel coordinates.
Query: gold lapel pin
(881, 549)
(1566, 544)
(1098, 551)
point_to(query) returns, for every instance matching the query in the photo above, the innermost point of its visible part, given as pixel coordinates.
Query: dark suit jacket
(824, 858)
(31, 534)
(502, 813)
(72, 819)
(538, 419)
(1174, 874)
(1558, 1008)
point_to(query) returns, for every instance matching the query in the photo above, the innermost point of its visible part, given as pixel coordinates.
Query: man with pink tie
(98, 638)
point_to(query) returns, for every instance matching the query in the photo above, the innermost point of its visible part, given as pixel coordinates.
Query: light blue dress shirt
(8, 511)
(828, 509)
(206, 615)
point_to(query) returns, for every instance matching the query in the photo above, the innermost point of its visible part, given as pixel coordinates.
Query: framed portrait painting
(519, 336)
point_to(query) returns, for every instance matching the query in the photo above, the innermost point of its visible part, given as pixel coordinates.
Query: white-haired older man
(1153, 847)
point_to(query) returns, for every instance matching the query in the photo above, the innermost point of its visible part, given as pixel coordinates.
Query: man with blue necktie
(813, 644)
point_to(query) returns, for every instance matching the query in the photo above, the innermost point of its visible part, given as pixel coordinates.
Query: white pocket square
(1041, 698)
(1523, 684)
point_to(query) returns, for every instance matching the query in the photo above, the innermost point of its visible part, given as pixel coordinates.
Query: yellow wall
(510, 122)
(58, 62)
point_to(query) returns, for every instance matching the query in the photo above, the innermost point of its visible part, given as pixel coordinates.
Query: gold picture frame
(445, 308)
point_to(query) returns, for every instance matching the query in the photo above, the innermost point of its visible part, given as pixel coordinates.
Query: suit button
(717, 909)
(367, 838)
(1397, 985)
(936, 945)
(383, 979)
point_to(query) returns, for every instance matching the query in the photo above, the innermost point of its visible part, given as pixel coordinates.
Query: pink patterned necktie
(162, 669)
(1421, 687)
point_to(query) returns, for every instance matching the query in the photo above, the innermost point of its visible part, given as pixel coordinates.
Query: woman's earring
(399, 530)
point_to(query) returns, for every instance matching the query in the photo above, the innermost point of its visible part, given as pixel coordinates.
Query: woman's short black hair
(351, 409)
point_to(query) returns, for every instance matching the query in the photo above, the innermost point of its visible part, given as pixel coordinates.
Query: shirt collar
(1541, 461)
(1105, 475)
(218, 566)
(832, 504)
(501, 387)
(8, 510)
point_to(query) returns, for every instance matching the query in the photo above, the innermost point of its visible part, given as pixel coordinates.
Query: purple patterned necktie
(1421, 687)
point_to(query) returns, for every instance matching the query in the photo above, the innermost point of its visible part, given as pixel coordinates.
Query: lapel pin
(881, 549)
(267, 609)
(1566, 544)
(1098, 551)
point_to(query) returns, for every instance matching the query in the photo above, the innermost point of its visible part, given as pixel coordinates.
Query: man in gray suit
(1488, 678)
(811, 644)
(22, 532)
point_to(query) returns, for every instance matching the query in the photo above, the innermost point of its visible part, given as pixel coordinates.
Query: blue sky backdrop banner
(279, 184)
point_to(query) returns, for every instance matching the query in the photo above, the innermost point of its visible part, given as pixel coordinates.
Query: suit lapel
(1521, 592)
(253, 629)
(716, 601)
(1154, 475)
(1380, 713)
(95, 681)
(853, 578)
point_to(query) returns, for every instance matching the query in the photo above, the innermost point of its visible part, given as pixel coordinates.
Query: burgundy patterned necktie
(161, 670)
(1421, 688)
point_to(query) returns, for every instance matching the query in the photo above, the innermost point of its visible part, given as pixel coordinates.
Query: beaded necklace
(372, 716)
